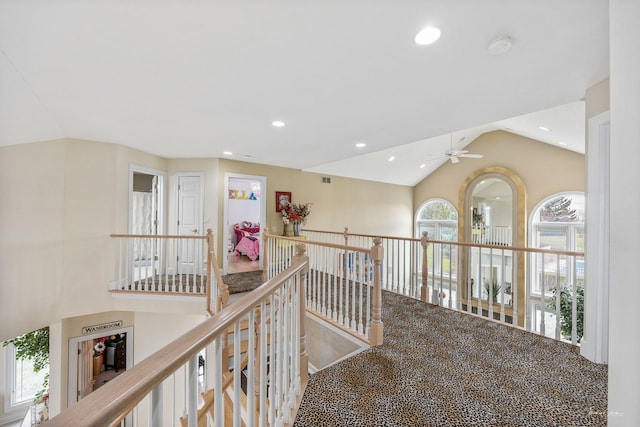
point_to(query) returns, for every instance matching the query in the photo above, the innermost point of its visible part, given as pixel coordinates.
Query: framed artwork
(282, 198)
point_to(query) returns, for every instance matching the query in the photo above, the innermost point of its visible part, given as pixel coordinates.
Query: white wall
(241, 206)
(624, 287)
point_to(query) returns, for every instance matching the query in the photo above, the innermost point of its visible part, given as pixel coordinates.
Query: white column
(595, 342)
(624, 291)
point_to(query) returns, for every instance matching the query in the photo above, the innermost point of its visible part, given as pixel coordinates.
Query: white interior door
(189, 199)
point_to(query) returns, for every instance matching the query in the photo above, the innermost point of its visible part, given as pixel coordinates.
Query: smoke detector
(499, 45)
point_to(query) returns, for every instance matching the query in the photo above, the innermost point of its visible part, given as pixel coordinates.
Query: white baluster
(192, 395)
(286, 351)
(156, 405)
(264, 347)
(272, 361)
(237, 374)
(218, 399)
(251, 404)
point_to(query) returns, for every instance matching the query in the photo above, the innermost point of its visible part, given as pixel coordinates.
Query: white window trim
(534, 297)
(10, 376)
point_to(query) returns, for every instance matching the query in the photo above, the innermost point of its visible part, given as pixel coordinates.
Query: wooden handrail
(508, 248)
(318, 243)
(124, 392)
(342, 233)
(446, 242)
(159, 236)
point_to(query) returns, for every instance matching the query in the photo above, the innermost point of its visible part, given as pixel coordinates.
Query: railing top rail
(317, 243)
(469, 244)
(158, 236)
(508, 248)
(124, 392)
(341, 233)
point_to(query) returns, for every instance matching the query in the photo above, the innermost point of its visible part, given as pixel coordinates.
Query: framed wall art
(282, 199)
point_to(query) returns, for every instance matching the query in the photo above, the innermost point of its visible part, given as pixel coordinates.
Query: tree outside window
(28, 362)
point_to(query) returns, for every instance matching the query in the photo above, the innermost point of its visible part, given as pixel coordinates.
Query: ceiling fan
(455, 155)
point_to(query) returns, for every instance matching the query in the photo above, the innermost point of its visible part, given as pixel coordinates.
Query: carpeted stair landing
(243, 282)
(438, 367)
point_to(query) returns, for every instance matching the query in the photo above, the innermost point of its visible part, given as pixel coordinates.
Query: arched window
(439, 218)
(557, 223)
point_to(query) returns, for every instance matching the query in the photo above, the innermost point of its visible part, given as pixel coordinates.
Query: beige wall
(67, 197)
(597, 100)
(363, 206)
(544, 169)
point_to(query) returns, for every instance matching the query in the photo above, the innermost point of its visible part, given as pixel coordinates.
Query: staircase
(206, 413)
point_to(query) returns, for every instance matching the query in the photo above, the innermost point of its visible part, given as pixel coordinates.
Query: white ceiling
(193, 79)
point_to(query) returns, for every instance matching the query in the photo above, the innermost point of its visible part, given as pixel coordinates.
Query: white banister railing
(344, 281)
(274, 361)
(179, 265)
(495, 235)
(508, 284)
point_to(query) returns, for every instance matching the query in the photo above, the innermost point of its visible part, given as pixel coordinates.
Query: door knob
(195, 230)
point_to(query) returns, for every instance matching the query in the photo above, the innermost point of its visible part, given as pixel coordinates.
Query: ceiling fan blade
(472, 156)
(454, 159)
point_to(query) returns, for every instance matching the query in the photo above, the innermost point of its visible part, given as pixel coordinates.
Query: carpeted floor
(438, 367)
(243, 282)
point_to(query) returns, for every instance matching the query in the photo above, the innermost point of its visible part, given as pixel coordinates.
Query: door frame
(162, 196)
(263, 213)
(72, 388)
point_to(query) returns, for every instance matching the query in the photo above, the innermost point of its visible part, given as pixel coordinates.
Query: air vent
(326, 180)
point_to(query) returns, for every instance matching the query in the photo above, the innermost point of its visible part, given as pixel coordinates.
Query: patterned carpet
(243, 282)
(438, 367)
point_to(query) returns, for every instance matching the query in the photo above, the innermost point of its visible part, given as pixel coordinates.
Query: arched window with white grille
(556, 223)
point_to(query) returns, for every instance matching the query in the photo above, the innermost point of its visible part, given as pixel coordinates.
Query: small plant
(566, 310)
(492, 288)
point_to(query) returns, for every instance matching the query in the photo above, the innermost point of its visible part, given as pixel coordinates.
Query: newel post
(301, 257)
(222, 291)
(377, 327)
(424, 289)
(265, 250)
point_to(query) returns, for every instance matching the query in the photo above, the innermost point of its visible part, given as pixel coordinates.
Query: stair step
(244, 346)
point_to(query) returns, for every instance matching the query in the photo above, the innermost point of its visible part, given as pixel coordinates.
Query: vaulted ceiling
(201, 78)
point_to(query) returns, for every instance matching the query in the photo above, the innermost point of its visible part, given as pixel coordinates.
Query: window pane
(566, 208)
(448, 233)
(438, 210)
(26, 382)
(552, 238)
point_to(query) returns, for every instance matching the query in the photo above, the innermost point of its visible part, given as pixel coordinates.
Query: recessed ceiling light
(227, 153)
(427, 35)
(278, 123)
(392, 158)
(546, 129)
(564, 144)
(422, 166)
(361, 145)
